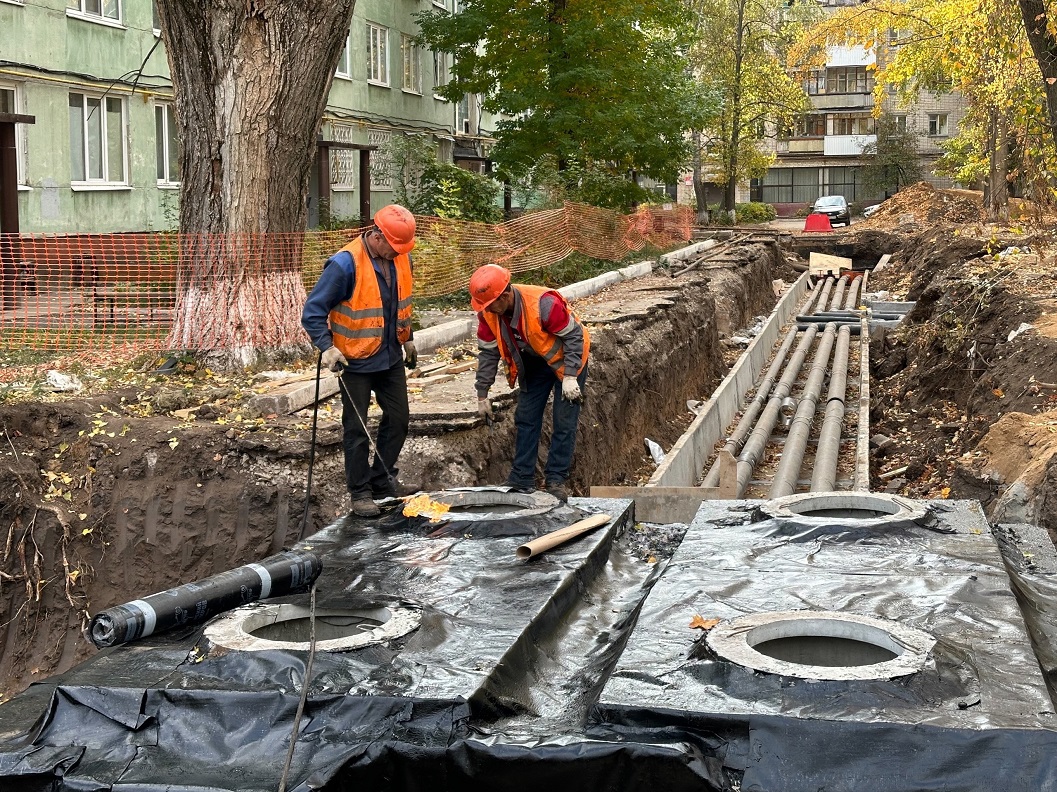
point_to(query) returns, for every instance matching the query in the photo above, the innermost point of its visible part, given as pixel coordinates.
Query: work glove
(571, 390)
(484, 409)
(334, 360)
(410, 354)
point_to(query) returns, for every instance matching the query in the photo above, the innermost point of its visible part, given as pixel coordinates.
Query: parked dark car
(835, 207)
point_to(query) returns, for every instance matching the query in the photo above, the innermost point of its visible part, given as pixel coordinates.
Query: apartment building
(103, 153)
(823, 154)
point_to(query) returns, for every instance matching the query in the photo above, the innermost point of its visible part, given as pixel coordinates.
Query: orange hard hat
(397, 226)
(487, 283)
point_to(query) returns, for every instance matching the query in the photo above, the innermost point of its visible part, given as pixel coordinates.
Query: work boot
(392, 490)
(558, 490)
(518, 489)
(362, 506)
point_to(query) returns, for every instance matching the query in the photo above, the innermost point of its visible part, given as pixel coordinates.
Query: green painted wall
(47, 52)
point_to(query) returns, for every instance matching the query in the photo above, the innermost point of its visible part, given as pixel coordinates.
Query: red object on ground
(817, 222)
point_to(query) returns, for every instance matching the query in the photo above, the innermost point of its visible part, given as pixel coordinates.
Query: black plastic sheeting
(979, 717)
(561, 672)
(194, 603)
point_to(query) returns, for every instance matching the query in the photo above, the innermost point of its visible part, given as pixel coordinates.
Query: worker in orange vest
(545, 349)
(359, 316)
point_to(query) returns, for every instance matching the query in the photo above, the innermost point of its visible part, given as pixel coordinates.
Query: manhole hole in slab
(858, 509)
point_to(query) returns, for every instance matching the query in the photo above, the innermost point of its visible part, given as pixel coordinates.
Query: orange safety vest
(547, 345)
(358, 324)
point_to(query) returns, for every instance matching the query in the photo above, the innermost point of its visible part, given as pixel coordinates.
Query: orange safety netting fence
(165, 291)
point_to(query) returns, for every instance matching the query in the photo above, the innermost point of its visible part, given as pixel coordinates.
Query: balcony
(812, 145)
(842, 101)
(850, 56)
(846, 145)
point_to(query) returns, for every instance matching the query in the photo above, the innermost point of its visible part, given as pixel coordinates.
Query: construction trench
(749, 614)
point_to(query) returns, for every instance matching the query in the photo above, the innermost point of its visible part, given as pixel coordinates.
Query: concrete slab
(293, 396)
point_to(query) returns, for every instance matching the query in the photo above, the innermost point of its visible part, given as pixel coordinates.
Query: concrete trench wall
(163, 516)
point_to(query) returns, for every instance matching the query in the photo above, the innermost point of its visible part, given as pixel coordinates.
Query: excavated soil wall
(98, 507)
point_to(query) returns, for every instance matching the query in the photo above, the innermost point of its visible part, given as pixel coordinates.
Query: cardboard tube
(561, 536)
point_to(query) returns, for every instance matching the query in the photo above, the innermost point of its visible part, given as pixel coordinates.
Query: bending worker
(359, 316)
(545, 349)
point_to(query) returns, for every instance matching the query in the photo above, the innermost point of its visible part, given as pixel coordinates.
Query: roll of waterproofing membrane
(193, 603)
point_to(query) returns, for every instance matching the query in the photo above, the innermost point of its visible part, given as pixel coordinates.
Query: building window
(848, 79)
(97, 139)
(441, 4)
(846, 181)
(167, 145)
(412, 64)
(9, 103)
(900, 121)
(937, 125)
(464, 115)
(342, 160)
(155, 18)
(101, 9)
(440, 70)
(381, 166)
(853, 125)
(815, 82)
(788, 185)
(813, 125)
(377, 54)
(343, 69)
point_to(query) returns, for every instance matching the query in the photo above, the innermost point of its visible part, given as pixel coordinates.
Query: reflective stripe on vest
(358, 324)
(547, 345)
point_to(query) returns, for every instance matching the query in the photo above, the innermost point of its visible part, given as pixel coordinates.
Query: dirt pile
(980, 345)
(923, 205)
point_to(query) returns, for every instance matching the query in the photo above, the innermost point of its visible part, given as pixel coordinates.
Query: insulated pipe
(823, 300)
(741, 431)
(852, 300)
(824, 476)
(838, 293)
(815, 290)
(784, 482)
(757, 442)
(855, 328)
(194, 603)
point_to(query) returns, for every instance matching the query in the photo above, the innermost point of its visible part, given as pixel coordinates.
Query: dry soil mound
(923, 204)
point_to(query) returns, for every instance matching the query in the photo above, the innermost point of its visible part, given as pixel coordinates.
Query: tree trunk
(1044, 46)
(251, 79)
(700, 188)
(730, 191)
(996, 191)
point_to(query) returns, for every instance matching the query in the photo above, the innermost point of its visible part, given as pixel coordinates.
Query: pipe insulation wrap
(827, 452)
(193, 603)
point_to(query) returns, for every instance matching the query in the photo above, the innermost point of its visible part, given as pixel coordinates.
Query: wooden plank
(821, 263)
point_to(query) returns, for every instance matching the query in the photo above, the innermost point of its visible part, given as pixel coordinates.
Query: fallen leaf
(173, 442)
(998, 392)
(701, 623)
(82, 516)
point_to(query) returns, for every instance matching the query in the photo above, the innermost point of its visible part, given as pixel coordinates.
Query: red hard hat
(397, 226)
(487, 283)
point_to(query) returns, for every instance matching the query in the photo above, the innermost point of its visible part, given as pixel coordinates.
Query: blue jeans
(536, 381)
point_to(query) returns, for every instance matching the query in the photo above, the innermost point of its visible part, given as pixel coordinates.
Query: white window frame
(344, 68)
(20, 134)
(78, 9)
(154, 18)
(941, 123)
(441, 4)
(104, 183)
(471, 107)
(902, 122)
(411, 56)
(168, 182)
(377, 36)
(441, 71)
(343, 161)
(14, 2)
(381, 176)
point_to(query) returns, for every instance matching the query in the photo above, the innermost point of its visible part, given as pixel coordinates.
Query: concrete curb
(432, 338)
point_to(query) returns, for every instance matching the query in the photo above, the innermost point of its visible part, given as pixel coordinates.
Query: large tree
(579, 81)
(739, 57)
(251, 79)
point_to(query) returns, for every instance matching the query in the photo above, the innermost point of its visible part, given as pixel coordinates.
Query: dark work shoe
(396, 490)
(559, 491)
(363, 506)
(518, 488)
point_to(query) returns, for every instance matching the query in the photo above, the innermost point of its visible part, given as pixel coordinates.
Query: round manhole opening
(820, 650)
(259, 627)
(329, 626)
(822, 645)
(846, 508)
(489, 504)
